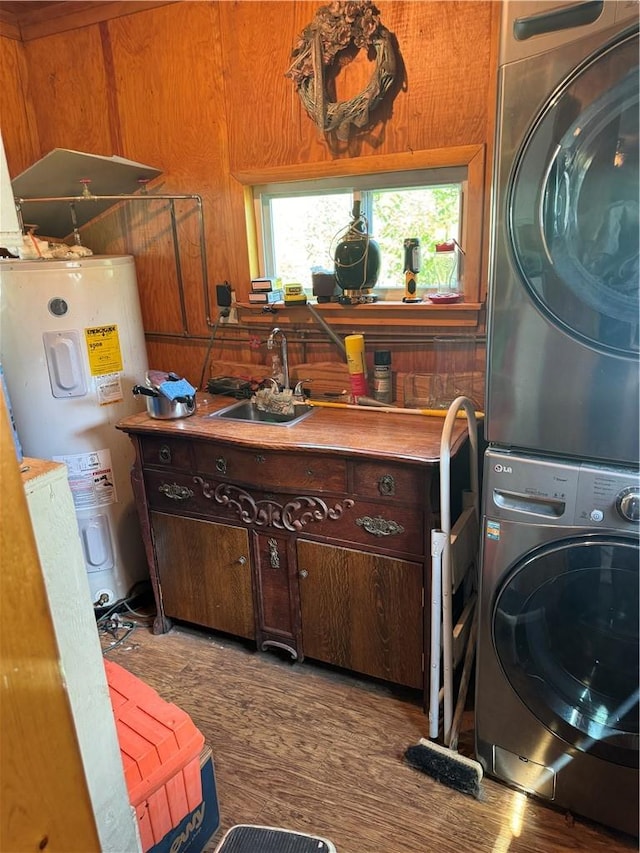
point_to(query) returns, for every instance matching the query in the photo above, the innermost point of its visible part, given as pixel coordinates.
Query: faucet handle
(298, 392)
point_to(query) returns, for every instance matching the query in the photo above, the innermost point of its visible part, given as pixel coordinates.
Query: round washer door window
(573, 203)
(565, 629)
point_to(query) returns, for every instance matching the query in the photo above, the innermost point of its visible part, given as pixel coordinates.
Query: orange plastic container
(160, 748)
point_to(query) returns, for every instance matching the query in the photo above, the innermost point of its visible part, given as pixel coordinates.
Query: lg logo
(503, 469)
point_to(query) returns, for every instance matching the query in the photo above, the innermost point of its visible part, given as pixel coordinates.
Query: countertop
(369, 432)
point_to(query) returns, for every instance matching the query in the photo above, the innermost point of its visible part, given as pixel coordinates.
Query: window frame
(367, 185)
(469, 157)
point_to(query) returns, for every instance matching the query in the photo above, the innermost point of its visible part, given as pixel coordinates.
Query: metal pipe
(176, 254)
(123, 197)
(322, 322)
(302, 337)
(145, 196)
(203, 265)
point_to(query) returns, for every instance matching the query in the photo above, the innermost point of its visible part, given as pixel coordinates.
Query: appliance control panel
(585, 495)
(608, 497)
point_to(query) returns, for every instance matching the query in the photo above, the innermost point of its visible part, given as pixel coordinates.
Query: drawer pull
(260, 458)
(242, 561)
(165, 453)
(221, 465)
(274, 557)
(303, 573)
(175, 492)
(387, 485)
(379, 526)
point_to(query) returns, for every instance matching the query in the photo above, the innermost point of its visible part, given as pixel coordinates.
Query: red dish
(445, 298)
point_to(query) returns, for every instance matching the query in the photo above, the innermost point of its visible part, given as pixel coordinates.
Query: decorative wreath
(323, 45)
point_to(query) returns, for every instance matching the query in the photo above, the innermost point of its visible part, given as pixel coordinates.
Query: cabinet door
(205, 573)
(362, 611)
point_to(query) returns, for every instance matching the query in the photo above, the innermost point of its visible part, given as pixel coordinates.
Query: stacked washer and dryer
(558, 669)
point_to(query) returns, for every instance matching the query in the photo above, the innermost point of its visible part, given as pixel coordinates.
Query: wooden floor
(302, 747)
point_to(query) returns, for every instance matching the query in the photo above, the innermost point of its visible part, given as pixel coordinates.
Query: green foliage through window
(301, 226)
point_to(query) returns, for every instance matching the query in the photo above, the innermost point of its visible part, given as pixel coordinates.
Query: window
(410, 170)
(301, 222)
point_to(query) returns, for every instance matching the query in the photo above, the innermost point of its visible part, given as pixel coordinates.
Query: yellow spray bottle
(354, 348)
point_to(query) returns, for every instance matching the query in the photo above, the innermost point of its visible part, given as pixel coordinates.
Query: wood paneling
(443, 101)
(176, 120)
(198, 89)
(68, 91)
(20, 134)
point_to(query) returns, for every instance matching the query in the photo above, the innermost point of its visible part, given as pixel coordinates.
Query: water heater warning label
(108, 389)
(90, 478)
(103, 345)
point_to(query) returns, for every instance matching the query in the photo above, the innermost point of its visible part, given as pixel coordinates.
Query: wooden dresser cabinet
(288, 541)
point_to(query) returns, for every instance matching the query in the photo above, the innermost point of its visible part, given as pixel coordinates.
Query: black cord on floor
(110, 621)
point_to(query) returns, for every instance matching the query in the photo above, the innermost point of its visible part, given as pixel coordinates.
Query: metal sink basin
(246, 411)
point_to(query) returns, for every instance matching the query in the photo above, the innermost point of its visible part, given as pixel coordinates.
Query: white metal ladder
(453, 555)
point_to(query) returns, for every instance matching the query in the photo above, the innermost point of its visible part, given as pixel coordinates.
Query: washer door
(565, 630)
(573, 212)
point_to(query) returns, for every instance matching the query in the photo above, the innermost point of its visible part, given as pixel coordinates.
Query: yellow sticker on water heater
(103, 345)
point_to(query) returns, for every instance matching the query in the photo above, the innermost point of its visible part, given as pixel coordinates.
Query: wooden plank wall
(198, 89)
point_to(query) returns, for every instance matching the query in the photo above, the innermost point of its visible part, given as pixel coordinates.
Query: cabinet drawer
(179, 494)
(166, 452)
(374, 525)
(270, 471)
(388, 480)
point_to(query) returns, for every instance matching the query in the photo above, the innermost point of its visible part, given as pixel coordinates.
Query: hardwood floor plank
(311, 749)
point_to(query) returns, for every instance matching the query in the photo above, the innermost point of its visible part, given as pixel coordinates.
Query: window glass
(432, 214)
(302, 223)
(303, 230)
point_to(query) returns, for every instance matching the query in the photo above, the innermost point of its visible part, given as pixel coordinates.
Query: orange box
(160, 748)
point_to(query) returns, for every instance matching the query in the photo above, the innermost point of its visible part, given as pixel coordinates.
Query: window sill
(460, 314)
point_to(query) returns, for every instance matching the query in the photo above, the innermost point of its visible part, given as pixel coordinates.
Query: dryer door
(573, 203)
(565, 630)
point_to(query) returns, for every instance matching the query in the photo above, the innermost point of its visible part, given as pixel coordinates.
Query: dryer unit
(557, 669)
(72, 347)
(564, 309)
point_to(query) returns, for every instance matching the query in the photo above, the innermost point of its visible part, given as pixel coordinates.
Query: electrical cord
(110, 622)
(224, 312)
(112, 627)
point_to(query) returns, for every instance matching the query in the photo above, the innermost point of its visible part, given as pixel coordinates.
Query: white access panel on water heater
(72, 347)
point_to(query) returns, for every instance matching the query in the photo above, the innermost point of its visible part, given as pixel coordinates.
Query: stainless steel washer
(557, 668)
(564, 306)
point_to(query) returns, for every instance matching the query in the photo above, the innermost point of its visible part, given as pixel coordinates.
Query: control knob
(628, 504)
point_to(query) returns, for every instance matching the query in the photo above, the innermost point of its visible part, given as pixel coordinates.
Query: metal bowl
(159, 406)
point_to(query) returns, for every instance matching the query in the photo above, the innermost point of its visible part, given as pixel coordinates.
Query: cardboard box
(194, 831)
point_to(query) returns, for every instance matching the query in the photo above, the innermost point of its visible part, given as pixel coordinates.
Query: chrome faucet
(271, 341)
